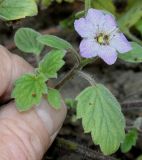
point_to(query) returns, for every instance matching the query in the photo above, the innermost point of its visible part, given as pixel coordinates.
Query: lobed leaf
(54, 42)
(26, 40)
(51, 63)
(28, 91)
(130, 140)
(101, 115)
(54, 98)
(134, 56)
(17, 9)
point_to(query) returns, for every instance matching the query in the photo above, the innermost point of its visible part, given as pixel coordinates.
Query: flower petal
(94, 16)
(84, 28)
(108, 24)
(108, 54)
(120, 43)
(88, 48)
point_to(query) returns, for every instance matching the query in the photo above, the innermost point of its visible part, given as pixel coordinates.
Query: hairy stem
(88, 77)
(87, 5)
(77, 67)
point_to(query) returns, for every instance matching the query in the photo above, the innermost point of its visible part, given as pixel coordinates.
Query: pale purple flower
(101, 36)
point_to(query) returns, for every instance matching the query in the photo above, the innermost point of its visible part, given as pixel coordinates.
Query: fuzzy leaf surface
(17, 9)
(26, 40)
(52, 63)
(28, 91)
(101, 115)
(54, 42)
(130, 141)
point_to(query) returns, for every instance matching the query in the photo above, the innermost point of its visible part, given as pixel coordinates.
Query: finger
(28, 135)
(11, 67)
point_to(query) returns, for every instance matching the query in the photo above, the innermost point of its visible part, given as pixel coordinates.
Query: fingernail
(51, 118)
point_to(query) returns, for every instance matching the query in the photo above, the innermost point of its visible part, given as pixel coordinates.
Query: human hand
(26, 135)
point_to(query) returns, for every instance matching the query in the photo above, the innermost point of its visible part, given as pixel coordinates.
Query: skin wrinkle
(24, 137)
(36, 126)
(6, 138)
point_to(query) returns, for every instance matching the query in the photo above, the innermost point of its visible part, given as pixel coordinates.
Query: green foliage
(52, 63)
(101, 115)
(54, 98)
(139, 26)
(17, 9)
(100, 4)
(139, 157)
(28, 91)
(134, 56)
(130, 140)
(71, 103)
(26, 40)
(138, 124)
(131, 17)
(54, 42)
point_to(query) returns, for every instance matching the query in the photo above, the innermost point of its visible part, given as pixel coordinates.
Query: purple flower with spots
(101, 36)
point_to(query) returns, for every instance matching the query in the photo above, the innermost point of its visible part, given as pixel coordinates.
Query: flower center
(103, 39)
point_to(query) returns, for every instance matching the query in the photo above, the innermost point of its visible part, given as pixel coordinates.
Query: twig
(131, 105)
(75, 147)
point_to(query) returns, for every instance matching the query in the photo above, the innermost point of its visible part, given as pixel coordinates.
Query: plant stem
(88, 77)
(68, 76)
(80, 149)
(87, 5)
(73, 71)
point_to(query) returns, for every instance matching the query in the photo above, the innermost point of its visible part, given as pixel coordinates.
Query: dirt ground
(123, 79)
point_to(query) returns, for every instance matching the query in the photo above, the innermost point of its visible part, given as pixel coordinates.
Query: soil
(123, 79)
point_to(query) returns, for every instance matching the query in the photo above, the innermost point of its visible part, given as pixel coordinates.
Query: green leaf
(17, 9)
(54, 42)
(28, 91)
(134, 56)
(54, 98)
(52, 63)
(139, 26)
(101, 115)
(26, 40)
(130, 140)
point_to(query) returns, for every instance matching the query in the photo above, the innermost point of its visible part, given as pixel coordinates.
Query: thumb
(28, 135)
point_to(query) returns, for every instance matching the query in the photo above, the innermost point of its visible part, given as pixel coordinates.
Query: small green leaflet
(101, 115)
(54, 42)
(26, 40)
(28, 91)
(17, 9)
(130, 140)
(54, 98)
(134, 56)
(52, 63)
